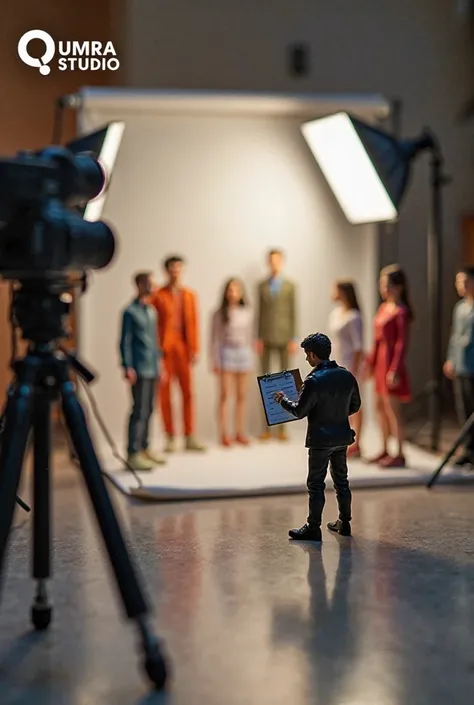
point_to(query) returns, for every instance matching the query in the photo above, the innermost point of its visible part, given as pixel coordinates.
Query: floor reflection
(250, 618)
(326, 631)
(180, 570)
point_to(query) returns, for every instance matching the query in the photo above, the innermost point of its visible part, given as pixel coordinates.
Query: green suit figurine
(276, 321)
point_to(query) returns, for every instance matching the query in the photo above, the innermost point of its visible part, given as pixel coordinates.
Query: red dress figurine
(387, 359)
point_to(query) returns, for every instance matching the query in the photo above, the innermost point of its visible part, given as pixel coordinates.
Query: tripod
(462, 435)
(42, 376)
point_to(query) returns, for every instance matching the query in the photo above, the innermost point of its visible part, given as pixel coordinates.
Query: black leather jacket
(329, 395)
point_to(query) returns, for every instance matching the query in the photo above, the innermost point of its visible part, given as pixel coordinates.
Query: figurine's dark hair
(224, 307)
(468, 271)
(141, 277)
(276, 251)
(397, 277)
(319, 344)
(172, 260)
(348, 290)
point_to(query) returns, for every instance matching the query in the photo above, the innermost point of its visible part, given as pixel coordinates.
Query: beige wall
(28, 99)
(418, 51)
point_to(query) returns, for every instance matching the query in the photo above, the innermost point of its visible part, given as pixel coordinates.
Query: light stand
(434, 389)
(463, 434)
(435, 278)
(368, 171)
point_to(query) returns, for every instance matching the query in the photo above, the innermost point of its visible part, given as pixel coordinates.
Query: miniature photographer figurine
(329, 395)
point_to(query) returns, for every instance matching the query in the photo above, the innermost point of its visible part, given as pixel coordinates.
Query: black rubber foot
(41, 617)
(155, 666)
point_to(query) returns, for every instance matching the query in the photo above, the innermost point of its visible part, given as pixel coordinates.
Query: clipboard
(289, 382)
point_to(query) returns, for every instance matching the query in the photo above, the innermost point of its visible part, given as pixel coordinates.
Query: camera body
(44, 240)
(42, 236)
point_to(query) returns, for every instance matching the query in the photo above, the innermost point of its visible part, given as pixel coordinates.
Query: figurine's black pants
(318, 461)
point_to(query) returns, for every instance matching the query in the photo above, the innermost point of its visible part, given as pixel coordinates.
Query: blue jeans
(143, 393)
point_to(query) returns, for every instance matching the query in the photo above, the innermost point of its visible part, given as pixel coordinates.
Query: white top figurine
(346, 335)
(237, 333)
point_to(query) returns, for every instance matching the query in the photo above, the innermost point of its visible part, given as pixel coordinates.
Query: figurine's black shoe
(306, 533)
(340, 527)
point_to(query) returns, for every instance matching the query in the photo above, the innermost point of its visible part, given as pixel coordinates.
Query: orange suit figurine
(179, 339)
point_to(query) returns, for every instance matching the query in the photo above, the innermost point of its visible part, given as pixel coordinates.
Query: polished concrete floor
(248, 618)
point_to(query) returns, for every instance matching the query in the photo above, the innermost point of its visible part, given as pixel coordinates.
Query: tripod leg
(10, 393)
(125, 574)
(464, 432)
(41, 610)
(14, 442)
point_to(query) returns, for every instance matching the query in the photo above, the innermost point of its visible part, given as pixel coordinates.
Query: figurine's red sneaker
(353, 451)
(397, 462)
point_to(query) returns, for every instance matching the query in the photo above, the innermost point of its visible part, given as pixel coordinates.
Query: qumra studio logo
(70, 56)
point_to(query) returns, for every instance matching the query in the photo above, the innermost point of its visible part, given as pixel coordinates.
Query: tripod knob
(155, 667)
(41, 617)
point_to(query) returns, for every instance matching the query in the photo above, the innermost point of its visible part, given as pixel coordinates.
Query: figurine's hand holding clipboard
(289, 383)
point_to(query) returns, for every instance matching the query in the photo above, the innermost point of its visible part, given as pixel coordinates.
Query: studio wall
(28, 98)
(221, 191)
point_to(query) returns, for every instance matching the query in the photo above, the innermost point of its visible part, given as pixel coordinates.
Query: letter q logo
(50, 48)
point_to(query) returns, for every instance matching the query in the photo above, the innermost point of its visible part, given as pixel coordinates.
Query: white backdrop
(220, 189)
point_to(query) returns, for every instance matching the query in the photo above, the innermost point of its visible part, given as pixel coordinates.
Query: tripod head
(39, 308)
